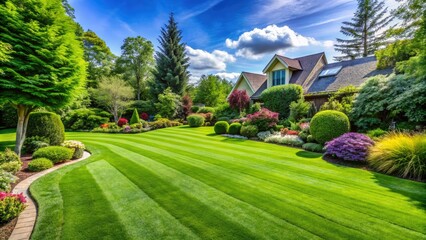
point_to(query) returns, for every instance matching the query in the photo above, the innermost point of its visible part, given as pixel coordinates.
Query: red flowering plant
(264, 119)
(292, 132)
(11, 205)
(122, 121)
(144, 116)
(239, 99)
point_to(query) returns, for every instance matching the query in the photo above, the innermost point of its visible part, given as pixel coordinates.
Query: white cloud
(258, 42)
(232, 76)
(205, 61)
(328, 44)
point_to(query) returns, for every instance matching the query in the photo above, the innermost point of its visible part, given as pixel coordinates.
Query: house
(318, 78)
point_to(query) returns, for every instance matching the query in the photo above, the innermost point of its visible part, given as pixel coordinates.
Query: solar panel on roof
(330, 71)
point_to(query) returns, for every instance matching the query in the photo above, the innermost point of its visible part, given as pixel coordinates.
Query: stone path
(26, 220)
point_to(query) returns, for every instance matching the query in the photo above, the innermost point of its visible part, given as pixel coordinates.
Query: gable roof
(291, 63)
(255, 80)
(308, 63)
(259, 91)
(353, 72)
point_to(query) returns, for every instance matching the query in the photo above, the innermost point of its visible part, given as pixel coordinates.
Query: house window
(278, 77)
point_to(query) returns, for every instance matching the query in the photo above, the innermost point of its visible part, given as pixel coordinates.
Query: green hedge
(39, 164)
(329, 124)
(221, 127)
(195, 120)
(54, 153)
(206, 110)
(278, 98)
(235, 129)
(47, 125)
(249, 131)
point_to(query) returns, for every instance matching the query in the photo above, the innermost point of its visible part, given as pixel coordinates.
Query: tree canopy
(172, 62)
(212, 90)
(46, 66)
(364, 31)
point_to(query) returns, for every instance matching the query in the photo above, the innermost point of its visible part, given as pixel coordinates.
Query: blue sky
(224, 37)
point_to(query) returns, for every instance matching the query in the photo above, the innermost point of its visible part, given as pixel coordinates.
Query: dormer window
(278, 77)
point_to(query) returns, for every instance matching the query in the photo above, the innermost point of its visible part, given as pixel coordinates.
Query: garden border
(26, 220)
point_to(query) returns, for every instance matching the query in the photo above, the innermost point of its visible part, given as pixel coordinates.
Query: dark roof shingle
(255, 79)
(291, 63)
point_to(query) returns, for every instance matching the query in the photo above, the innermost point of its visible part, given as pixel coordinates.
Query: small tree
(299, 110)
(45, 66)
(135, 117)
(114, 94)
(168, 103)
(212, 90)
(186, 105)
(239, 99)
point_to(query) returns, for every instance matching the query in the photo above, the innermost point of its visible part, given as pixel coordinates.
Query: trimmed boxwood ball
(234, 129)
(47, 125)
(54, 153)
(249, 131)
(39, 164)
(221, 127)
(329, 124)
(195, 120)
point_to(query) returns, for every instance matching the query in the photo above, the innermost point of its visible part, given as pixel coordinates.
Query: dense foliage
(278, 98)
(55, 154)
(85, 118)
(349, 147)
(212, 90)
(383, 99)
(365, 30)
(195, 120)
(46, 125)
(168, 103)
(239, 99)
(249, 131)
(264, 119)
(221, 127)
(39, 164)
(45, 54)
(329, 124)
(11, 205)
(172, 63)
(235, 128)
(400, 154)
(341, 101)
(299, 110)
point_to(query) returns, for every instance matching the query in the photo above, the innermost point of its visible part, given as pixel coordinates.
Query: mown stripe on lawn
(200, 218)
(305, 202)
(139, 214)
(263, 224)
(268, 199)
(327, 194)
(87, 213)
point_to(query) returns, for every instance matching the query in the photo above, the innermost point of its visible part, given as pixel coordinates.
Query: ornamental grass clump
(11, 205)
(350, 147)
(400, 154)
(264, 119)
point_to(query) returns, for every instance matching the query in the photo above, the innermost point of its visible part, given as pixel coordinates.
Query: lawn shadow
(211, 134)
(7, 144)
(415, 191)
(234, 140)
(341, 163)
(307, 154)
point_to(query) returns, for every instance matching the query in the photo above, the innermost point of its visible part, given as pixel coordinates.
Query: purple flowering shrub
(350, 146)
(263, 119)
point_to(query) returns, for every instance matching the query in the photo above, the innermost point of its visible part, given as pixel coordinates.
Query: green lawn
(184, 183)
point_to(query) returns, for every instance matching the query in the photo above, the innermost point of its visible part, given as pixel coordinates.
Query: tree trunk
(21, 128)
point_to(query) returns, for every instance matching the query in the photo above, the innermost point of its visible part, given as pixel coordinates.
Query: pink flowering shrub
(264, 119)
(349, 147)
(11, 205)
(304, 127)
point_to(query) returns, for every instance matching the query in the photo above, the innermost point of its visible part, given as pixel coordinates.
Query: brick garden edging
(26, 220)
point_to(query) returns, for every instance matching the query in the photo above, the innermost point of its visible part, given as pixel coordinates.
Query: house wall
(278, 66)
(243, 85)
(318, 101)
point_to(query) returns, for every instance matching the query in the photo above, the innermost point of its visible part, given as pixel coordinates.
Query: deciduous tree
(212, 90)
(239, 99)
(46, 67)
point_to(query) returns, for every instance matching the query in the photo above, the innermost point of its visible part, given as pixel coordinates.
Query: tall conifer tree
(172, 62)
(365, 30)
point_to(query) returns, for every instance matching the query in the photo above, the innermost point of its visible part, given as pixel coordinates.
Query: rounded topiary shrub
(47, 125)
(249, 131)
(54, 153)
(221, 127)
(206, 110)
(195, 120)
(39, 164)
(329, 124)
(235, 129)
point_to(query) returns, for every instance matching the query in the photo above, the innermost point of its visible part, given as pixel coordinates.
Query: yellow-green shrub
(400, 154)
